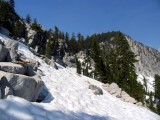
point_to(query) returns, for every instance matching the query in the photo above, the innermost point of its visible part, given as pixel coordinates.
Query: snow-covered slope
(68, 98)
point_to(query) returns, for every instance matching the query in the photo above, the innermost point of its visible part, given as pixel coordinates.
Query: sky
(140, 19)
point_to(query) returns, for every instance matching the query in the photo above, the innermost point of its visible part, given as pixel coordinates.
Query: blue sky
(139, 19)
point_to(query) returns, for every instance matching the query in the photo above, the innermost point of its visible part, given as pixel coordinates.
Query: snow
(68, 98)
(150, 82)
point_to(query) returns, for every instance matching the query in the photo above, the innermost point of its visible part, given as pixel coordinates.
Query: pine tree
(157, 92)
(78, 66)
(12, 3)
(157, 86)
(122, 67)
(56, 32)
(28, 19)
(4, 13)
(35, 25)
(48, 50)
(145, 84)
(85, 71)
(100, 70)
(151, 104)
(19, 30)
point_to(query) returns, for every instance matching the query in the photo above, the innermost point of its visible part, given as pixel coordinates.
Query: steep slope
(148, 58)
(68, 97)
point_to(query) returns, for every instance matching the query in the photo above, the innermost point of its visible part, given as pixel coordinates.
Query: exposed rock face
(59, 51)
(12, 68)
(3, 53)
(37, 39)
(148, 58)
(97, 90)
(127, 98)
(52, 63)
(5, 88)
(139, 104)
(23, 86)
(69, 60)
(12, 47)
(4, 31)
(114, 89)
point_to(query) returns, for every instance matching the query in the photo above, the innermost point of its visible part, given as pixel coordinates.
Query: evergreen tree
(122, 67)
(145, 84)
(4, 13)
(151, 104)
(157, 86)
(157, 92)
(19, 30)
(158, 107)
(48, 50)
(56, 32)
(85, 71)
(73, 45)
(35, 25)
(12, 3)
(78, 66)
(67, 37)
(100, 71)
(28, 19)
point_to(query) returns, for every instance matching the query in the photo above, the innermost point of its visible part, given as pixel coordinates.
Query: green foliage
(123, 69)
(5, 15)
(100, 71)
(73, 46)
(10, 20)
(78, 66)
(12, 3)
(158, 108)
(85, 71)
(151, 102)
(35, 25)
(56, 33)
(19, 30)
(157, 87)
(28, 19)
(48, 50)
(157, 92)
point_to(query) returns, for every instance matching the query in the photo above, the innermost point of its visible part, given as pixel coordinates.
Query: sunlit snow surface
(68, 98)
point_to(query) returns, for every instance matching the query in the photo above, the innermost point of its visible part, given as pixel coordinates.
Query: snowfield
(68, 98)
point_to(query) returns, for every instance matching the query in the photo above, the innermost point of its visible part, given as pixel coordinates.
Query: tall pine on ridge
(123, 69)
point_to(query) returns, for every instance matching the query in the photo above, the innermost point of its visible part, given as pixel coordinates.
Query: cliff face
(148, 58)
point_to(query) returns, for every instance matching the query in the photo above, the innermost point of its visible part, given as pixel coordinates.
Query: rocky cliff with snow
(148, 58)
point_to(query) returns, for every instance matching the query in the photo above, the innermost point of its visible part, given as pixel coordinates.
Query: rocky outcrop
(22, 86)
(12, 47)
(12, 68)
(52, 63)
(125, 97)
(5, 88)
(96, 90)
(36, 39)
(3, 53)
(148, 58)
(114, 89)
(69, 60)
(17, 76)
(4, 31)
